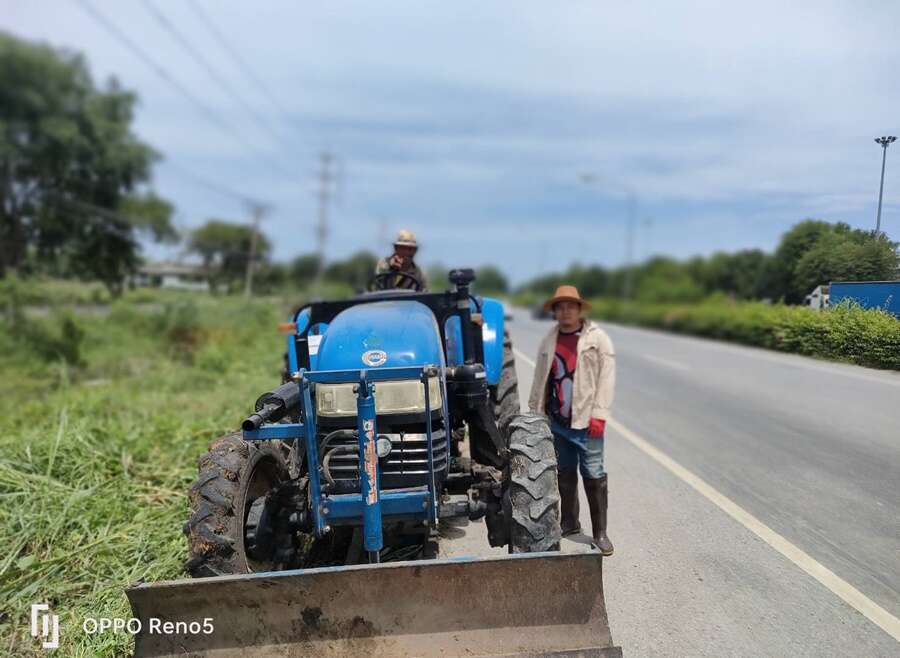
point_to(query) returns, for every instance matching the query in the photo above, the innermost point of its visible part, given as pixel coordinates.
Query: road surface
(735, 473)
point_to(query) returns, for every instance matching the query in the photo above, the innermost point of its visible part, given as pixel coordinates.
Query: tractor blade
(531, 604)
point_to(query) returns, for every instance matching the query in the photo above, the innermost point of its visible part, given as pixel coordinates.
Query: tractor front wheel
(229, 531)
(531, 498)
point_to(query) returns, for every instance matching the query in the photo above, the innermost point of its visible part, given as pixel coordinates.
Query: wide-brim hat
(406, 239)
(567, 294)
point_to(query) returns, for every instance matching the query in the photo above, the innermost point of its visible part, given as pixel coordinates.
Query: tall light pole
(884, 142)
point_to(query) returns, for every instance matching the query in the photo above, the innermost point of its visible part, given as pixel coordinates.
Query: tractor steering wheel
(388, 281)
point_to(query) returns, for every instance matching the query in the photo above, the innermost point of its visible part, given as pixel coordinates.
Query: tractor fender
(492, 329)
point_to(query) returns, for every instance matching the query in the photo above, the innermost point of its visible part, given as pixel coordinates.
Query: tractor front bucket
(536, 604)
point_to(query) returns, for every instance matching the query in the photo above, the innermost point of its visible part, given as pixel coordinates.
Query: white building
(179, 276)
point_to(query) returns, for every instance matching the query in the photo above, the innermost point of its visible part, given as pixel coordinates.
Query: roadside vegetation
(866, 337)
(752, 297)
(102, 418)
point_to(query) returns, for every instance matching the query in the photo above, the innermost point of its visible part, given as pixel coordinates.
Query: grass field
(102, 418)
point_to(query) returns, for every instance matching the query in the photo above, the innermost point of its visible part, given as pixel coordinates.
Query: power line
(110, 27)
(215, 187)
(210, 69)
(241, 64)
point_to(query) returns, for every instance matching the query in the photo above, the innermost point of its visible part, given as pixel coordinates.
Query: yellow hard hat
(406, 239)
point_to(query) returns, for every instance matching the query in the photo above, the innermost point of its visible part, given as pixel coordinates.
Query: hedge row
(845, 332)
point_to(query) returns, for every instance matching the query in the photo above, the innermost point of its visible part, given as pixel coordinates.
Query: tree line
(811, 253)
(76, 200)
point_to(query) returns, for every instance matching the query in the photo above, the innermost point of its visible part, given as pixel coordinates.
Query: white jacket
(594, 379)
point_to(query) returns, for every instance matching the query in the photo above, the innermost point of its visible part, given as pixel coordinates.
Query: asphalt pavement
(736, 476)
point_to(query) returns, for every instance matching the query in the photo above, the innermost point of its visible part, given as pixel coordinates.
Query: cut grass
(96, 459)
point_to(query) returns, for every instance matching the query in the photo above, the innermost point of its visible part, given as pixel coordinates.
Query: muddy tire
(531, 499)
(232, 475)
(505, 395)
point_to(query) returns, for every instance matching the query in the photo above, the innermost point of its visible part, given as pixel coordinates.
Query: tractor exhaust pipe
(273, 406)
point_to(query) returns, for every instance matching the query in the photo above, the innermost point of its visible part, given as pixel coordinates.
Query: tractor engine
(390, 333)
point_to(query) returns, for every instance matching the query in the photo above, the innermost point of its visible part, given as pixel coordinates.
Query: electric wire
(209, 68)
(207, 111)
(226, 45)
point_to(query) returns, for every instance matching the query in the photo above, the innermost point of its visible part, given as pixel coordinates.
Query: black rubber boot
(596, 491)
(568, 502)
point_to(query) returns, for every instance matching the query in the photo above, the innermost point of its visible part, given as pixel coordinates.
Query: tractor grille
(405, 466)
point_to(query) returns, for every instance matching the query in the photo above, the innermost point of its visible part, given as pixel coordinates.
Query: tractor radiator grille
(406, 465)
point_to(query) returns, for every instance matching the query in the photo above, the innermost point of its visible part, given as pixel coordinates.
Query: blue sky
(470, 122)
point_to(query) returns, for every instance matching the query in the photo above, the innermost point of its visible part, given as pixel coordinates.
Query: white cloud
(481, 115)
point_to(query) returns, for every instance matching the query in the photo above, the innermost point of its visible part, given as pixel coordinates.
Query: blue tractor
(320, 522)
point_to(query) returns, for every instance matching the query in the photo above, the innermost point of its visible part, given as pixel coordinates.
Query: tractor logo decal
(371, 462)
(374, 358)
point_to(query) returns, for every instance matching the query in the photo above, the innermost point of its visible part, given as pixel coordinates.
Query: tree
(846, 254)
(70, 168)
(739, 274)
(225, 249)
(778, 278)
(302, 270)
(355, 271)
(490, 281)
(437, 277)
(663, 279)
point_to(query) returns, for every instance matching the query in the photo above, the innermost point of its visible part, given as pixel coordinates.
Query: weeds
(96, 456)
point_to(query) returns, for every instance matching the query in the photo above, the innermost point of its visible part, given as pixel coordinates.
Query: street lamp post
(884, 142)
(630, 231)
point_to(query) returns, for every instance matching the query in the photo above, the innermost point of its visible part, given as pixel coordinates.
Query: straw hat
(567, 294)
(406, 239)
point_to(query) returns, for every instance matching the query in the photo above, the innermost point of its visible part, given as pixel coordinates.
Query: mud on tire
(231, 475)
(531, 500)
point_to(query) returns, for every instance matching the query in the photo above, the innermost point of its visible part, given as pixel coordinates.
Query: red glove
(596, 428)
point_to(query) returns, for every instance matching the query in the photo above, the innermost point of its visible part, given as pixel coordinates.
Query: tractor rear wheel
(228, 531)
(505, 395)
(531, 499)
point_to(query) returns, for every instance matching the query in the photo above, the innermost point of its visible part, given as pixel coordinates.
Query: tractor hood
(381, 334)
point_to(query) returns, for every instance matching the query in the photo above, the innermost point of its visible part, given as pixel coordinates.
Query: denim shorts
(575, 449)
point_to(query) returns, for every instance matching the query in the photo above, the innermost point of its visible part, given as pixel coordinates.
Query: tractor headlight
(403, 397)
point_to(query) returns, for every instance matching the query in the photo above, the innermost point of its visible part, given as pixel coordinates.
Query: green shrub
(846, 332)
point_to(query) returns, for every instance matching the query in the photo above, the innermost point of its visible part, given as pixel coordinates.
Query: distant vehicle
(868, 294)
(540, 313)
(818, 298)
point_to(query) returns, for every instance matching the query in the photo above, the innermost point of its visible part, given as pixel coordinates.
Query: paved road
(810, 450)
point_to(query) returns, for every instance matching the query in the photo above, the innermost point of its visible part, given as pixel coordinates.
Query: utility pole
(258, 211)
(630, 231)
(630, 228)
(326, 178)
(884, 142)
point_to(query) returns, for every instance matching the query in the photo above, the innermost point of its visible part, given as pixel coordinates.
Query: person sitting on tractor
(399, 270)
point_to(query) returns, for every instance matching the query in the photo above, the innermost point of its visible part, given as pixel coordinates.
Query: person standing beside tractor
(574, 378)
(400, 264)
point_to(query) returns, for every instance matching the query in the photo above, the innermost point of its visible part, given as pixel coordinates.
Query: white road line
(669, 364)
(520, 355)
(844, 590)
(837, 585)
